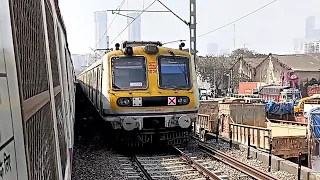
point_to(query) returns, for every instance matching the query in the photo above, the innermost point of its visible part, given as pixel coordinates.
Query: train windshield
(174, 72)
(129, 73)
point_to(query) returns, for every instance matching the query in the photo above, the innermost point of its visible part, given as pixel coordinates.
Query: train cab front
(152, 90)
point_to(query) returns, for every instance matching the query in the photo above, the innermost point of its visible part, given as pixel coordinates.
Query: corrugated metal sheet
(247, 114)
(300, 62)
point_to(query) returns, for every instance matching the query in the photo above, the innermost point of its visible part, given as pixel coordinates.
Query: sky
(270, 30)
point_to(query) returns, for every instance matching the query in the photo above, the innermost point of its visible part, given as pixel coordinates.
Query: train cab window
(174, 72)
(129, 72)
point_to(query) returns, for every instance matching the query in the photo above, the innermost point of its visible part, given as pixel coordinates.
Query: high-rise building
(311, 47)
(310, 42)
(310, 26)
(81, 61)
(212, 49)
(311, 31)
(101, 26)
(134, 30)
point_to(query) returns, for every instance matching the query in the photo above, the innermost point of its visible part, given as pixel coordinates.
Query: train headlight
(184, 121)
(183, 100)
(151, 49)
(124, 101)
(128, 51)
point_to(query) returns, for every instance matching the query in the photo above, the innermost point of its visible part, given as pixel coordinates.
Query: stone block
(253, 152)
(289, 167)
(275, 162)
(314, 176)
(305, 173)
(264, 157)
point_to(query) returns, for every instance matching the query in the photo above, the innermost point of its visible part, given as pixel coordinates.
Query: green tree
(213, 68)
(246, 53)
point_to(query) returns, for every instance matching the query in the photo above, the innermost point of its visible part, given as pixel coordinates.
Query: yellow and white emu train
(146, 91)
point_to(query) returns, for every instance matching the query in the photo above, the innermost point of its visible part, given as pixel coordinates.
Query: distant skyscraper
(134, 30)
(101, 26)
(212, 49)
(310, 43)
(311, 31)
(81, 61)
(310, 26)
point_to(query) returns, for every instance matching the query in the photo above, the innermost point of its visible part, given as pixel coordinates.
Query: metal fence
(37, 56)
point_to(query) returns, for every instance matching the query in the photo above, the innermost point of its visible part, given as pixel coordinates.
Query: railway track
(184, 164)
(178, 165)
(250, 171)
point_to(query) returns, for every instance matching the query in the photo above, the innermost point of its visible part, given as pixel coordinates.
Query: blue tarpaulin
(315, 120)
(279, 108)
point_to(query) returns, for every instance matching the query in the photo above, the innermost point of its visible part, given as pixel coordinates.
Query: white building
(203, 84)
(311, 47)
(310, 43)
(101, 26)
(304, 45)
(81, 61)
(134, 30)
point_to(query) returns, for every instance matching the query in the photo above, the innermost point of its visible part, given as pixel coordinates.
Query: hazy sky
(271, 29)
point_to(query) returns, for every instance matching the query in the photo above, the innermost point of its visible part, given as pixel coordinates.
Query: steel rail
(143, 170)
(197, 166)
(245, 168)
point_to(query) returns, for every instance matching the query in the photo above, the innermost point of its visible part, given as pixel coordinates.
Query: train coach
(146, 91)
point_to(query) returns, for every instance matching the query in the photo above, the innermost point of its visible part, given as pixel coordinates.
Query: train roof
(139, 43)
(137, 47)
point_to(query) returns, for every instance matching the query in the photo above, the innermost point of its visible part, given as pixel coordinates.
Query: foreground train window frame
(144, 81)
(178, 60)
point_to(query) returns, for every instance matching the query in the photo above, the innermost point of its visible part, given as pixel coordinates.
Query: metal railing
(260, 137)
(205, 122)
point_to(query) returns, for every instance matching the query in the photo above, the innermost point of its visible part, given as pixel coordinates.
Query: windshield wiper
(172, 87)
(115, 86)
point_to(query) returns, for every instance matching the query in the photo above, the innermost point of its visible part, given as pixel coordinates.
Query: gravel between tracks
(216, 165)
(92, 159)
(242, 156)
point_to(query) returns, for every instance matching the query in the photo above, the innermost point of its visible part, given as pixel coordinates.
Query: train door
(94, 86)
(100, 87)
(97, 87)
(91, 85)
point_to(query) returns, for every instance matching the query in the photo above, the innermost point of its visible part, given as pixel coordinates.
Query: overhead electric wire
(238, 19)
(184, 21)
(118, 8)
(133, 21)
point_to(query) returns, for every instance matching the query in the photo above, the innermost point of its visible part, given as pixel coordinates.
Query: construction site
(279, 119)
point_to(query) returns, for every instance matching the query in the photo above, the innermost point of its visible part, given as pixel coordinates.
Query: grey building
(101, 26)
(134, 30)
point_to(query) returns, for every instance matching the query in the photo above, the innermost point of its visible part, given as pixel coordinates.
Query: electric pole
(192, 29)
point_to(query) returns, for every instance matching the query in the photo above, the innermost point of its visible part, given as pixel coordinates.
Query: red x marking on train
(171, 100)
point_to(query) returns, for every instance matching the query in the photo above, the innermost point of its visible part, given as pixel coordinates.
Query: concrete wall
(277, 164)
